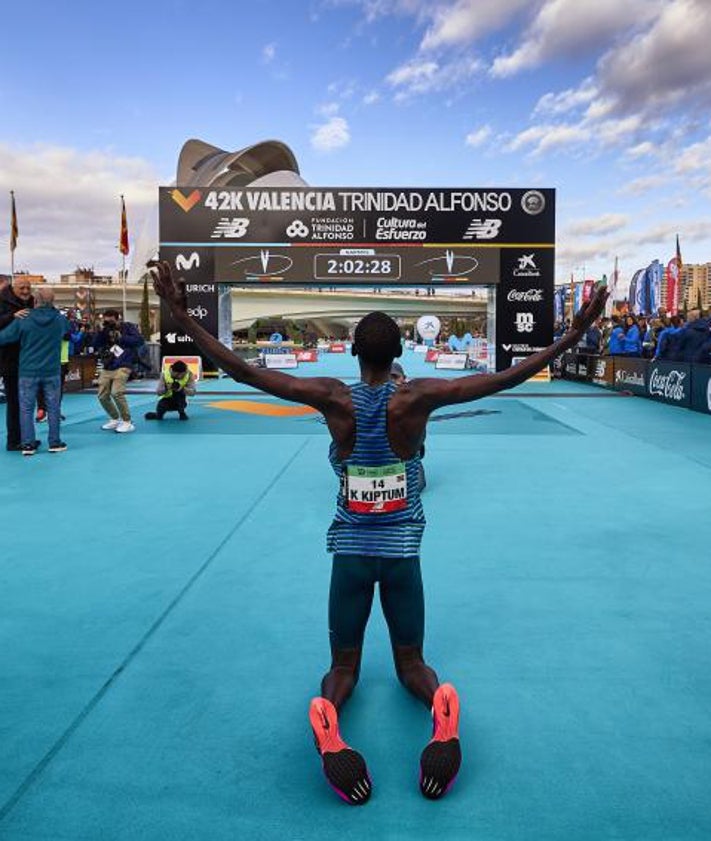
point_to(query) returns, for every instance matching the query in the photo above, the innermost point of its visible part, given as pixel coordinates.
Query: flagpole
(12, 236)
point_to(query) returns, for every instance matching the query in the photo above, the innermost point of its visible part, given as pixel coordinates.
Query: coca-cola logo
(525, 295)
(670, 386)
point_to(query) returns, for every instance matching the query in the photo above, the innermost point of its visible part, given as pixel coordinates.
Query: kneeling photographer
(174, 386)
(116, 346)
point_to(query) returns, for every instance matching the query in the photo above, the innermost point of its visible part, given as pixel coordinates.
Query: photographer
(116, 345)
(176, 383)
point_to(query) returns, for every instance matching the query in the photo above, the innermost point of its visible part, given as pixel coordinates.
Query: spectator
(116, 345)
(174, 385)
(16, 302)
(39, 335)
(665, 339)
(632, 341)
(593, 337)
(693, 338)
(616, 342)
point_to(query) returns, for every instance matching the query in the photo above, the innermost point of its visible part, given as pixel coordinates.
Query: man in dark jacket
(693, 339)
(116, 345)
(16, 302)
(39, 335)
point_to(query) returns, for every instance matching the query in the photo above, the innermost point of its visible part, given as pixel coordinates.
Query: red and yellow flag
(14, 230)
(123, 238)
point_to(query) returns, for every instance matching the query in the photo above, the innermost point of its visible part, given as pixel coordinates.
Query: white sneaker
(112, 424)
(125, 426)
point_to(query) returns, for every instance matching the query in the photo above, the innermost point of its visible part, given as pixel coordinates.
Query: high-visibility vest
(170, 379)
(64, 354)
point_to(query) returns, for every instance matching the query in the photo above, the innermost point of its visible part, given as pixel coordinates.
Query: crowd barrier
(676, 383)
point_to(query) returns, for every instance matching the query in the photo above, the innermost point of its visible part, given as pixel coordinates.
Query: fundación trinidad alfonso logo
(186, 203)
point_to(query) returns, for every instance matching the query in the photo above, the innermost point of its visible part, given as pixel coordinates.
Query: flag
(14, 230)
(123, 238)
(674, 281)
(609, 304)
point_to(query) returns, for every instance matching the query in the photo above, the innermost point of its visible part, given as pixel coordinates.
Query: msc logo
(187, 263)
(483, 229)
(524, 322)
(186, 204)
(297, 229)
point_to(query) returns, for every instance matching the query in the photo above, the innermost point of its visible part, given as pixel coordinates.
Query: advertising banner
(196, 268)
(451, 361)
(670, 382)
(336, 347)
(306, 355)
(701, 388)
(631, 375)
(280, 360)
(431, 355)
(524, 304)
(601, 370)
(348, 235)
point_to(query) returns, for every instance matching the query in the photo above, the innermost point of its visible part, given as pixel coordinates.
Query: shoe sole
(57, 450)
(344, 768)
(441, 759)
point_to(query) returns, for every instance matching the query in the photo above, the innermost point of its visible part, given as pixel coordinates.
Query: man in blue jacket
(116, 344)
(40, 339)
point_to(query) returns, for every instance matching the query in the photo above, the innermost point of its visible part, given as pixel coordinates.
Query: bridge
(251, 303)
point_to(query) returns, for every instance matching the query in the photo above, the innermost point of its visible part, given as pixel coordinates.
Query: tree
(145, 315)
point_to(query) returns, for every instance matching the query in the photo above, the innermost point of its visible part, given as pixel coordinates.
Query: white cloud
(665, 66)
(554, 104)
(268, 53)
(328, 109)
(478, 137)
(331, 135)
(68, 205)
(569, 28)
(606, 224)
(371, 98)
(642, 185)
(464, 21)
(545, 138)
(641, 150)
(423, 76)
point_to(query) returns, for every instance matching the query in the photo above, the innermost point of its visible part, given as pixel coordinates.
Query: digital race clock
(373, 266)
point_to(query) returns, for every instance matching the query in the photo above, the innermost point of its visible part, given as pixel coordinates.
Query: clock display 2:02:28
(327, 266)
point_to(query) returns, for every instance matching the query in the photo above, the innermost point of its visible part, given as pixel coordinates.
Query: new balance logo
(234, 228)
(483, 229)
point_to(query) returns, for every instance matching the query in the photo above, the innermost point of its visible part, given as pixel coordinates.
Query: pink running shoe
(440, 760)
(345, 768)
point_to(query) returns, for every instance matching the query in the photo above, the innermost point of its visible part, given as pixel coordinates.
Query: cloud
(68, 205)
(423, 76)
(371, 98)
(553, 104)
(331, 135)
(605, 224)
(476, 138)
(569, 28)
(642, 185)
(268, 53)
(664, 67)
(465, 21)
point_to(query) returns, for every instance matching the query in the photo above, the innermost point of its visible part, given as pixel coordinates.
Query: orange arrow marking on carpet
(255, 407)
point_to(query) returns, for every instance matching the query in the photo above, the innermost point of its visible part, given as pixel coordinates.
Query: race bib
(376, 490)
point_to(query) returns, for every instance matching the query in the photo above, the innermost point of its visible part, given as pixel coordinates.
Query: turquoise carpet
(163, 625)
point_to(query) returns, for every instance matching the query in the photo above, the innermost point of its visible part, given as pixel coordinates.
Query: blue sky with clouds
(605, 101)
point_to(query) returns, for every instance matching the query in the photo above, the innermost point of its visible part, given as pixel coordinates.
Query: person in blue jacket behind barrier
(693, 340)
(616, 342)
(665, 339)
(633, 339)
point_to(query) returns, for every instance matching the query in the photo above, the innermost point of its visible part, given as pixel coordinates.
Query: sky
(605, 101)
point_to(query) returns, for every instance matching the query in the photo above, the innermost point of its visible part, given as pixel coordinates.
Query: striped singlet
(378, 508)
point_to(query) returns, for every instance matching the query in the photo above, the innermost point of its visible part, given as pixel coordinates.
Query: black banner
(669, 382)
(701, 388)
(351, 236)
(196, 267)
(524, 304)
(631, 375)
(601, 370)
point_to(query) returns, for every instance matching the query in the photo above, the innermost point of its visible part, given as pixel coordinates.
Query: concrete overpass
(251, 303)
